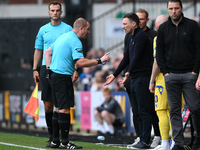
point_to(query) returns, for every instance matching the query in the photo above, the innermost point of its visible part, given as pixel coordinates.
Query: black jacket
(151, 34)
(138, 55)
(178, 47)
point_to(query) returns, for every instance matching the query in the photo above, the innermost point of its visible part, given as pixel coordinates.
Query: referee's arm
(48, 56)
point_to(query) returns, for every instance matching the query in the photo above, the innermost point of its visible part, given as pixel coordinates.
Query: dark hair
(140, 10)
(55, 3)
(132, 17)
(174, 1)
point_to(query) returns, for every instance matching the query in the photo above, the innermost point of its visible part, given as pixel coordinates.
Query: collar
(182, 20)
(136, 30)
(147, 29)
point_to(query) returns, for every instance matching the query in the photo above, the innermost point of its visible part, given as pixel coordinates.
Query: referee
(62, 58)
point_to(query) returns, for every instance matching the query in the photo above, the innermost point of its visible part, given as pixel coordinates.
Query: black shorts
(46, 88)
(63, 90)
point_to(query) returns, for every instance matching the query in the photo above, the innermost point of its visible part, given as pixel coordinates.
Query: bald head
(81, 27)
(80, 22)
(159, 20)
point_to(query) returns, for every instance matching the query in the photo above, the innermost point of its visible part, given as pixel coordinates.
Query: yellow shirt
(161, 101)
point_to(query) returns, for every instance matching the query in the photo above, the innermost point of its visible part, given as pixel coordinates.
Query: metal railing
(101, 24)
(105, 34)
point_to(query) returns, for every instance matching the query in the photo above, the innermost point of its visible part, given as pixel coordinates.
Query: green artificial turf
(19, 142)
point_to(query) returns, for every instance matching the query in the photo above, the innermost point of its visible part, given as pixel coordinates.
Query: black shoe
(55, 144)
(109, 134)
(196, 144)
(140, 145)
(48, 143)
(177, 147)
(99, 133)
(70, 145)
(187, 147)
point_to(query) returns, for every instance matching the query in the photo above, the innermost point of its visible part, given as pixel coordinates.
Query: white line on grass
(21, 146)
(114, 145)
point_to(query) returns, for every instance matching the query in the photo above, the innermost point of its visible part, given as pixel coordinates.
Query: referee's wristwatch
(76, 69)
(99, 61)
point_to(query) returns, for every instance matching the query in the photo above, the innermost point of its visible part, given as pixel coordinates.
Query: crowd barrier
(12, 104)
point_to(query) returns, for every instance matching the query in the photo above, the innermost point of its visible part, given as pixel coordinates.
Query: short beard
(177, 19)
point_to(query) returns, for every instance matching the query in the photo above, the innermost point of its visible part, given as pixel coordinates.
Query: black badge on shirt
(79, 50)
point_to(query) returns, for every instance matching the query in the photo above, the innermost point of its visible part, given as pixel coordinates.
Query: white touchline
(2, 143)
